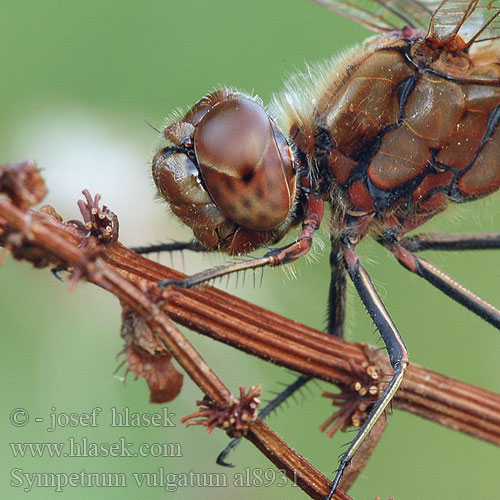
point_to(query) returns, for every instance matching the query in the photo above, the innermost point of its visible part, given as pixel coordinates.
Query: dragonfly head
(229, 173)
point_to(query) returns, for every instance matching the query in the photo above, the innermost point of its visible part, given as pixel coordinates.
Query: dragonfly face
(230, 174)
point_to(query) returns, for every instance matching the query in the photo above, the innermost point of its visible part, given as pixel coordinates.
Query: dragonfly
(388, 135)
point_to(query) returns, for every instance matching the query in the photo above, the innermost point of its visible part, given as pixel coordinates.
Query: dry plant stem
(171, 338)
(246, 326)
(255, 330)
(38, 237)
(65, 244)
(229, 319)
(99, 273)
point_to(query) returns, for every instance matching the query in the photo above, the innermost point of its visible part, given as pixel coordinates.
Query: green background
(78, 79)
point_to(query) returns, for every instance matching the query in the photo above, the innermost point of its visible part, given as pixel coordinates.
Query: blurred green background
(78, 79)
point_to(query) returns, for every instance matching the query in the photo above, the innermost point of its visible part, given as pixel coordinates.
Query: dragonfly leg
(276, 257)
(177, 246)
(451, 241)
(337, 292)
(443, 281)
(395, 346)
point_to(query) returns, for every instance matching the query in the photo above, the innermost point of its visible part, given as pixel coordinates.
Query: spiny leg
(335, 326)
(451, 241)
(440, 279)
(276, 257)
(395, 347)
(337, 292)
(176, 246)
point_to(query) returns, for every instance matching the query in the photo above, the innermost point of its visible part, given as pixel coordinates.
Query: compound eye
(245, 164)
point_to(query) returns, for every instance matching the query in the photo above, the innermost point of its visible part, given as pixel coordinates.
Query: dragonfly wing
(474, 21)
(383, 16)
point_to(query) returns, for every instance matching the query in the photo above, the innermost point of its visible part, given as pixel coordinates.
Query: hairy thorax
(400, 129)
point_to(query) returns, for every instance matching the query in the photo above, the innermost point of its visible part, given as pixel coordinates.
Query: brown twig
(265, 334)
(41, 237)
